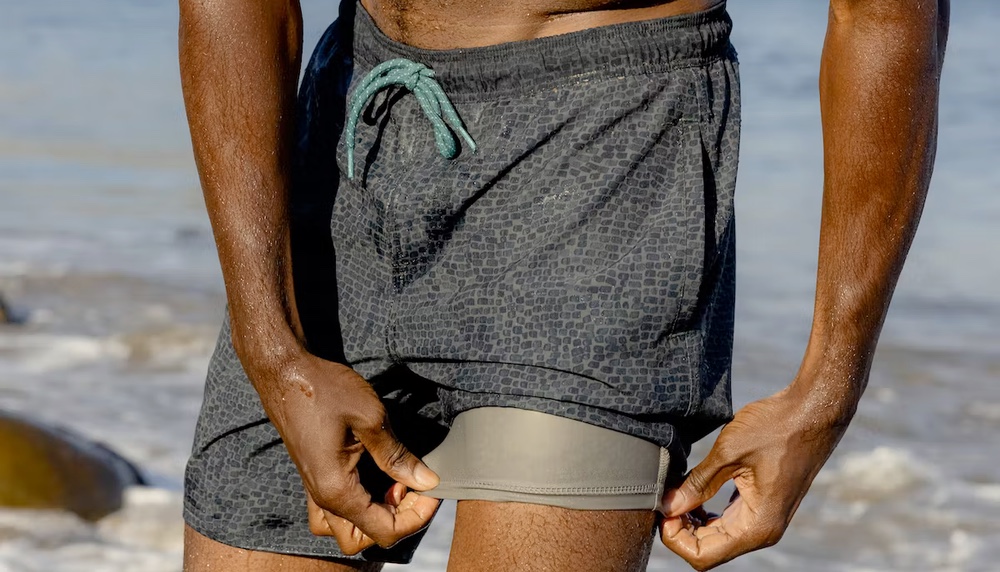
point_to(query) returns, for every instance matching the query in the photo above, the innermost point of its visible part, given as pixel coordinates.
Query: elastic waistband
(654, 45)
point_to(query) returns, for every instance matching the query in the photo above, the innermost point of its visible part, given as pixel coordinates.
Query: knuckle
(703, 563)
(327, 502)
(329, 495)
(383, 539)
(396, 456)
(374, 419)
(772, 537)
(318, 526)
(698, 479)
(350, 547)
(700, 564)
(770, 531)
(353, 507)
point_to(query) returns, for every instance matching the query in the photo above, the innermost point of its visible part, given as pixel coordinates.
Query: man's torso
(449, 24)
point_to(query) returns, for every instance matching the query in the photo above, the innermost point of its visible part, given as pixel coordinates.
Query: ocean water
(106, 253)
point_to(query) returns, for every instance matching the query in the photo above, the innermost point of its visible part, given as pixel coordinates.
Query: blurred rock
(4, 311)
(44, 467)
(9, 314)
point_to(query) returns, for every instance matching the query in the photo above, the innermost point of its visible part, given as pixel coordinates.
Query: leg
(541, 492)
(202, 554)
(504, 536)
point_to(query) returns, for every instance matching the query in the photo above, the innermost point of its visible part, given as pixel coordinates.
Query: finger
(394, 496)
(385, 523)
(317, 520)
(702, 547)
(349, 537)
(708, 528)
(670, 526)
(700, 485)
(388, 525)
(720, 539)
(739, 520)
(392, 456)
(324, 523)
(350, 516)
(424, 506)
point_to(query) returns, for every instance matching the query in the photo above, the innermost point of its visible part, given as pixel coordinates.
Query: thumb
(700, 485)
(395, 459)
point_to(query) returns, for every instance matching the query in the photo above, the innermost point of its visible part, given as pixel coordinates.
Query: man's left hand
(772, 450)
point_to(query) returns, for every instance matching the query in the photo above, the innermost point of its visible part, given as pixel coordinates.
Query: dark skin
(880, 71)
(879, 81)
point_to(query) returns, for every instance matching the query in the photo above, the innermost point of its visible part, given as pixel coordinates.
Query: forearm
(879, 91)
(879, 95)
(239, 62)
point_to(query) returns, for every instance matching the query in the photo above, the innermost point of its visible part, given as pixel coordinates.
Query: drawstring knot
(419, 80)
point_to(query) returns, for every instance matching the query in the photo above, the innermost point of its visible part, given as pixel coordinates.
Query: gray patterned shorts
(580, 262)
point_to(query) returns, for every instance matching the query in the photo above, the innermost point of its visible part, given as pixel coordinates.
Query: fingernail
(425, 477)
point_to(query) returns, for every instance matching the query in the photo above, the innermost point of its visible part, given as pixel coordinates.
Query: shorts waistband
(648, 45)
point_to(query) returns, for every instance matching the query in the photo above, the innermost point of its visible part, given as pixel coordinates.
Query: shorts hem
(550, 491)
(197, 524)
(647, 501)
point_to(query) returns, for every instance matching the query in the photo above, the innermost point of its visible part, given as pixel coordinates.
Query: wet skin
(879, 83)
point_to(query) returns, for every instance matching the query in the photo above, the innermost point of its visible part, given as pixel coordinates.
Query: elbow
(926, 21)
(277, 22)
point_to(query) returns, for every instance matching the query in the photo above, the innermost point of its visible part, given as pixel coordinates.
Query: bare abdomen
(449, 24)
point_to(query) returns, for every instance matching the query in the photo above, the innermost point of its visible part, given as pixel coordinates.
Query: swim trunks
(578, 263)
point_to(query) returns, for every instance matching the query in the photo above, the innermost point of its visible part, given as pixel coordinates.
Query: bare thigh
(202, 554)
(505, 536)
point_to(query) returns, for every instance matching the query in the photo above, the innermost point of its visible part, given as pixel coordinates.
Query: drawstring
(419, 79)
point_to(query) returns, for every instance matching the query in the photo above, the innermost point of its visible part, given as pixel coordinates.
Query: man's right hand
(328, 416)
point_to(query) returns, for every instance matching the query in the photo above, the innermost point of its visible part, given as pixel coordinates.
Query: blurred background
(109, 270)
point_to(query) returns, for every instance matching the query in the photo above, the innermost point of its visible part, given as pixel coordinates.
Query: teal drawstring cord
(419, 79)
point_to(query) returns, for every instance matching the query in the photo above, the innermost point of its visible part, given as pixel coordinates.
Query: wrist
(828, 392)
(265, 352)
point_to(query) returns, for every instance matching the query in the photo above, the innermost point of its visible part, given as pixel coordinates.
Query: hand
(328, 416)
(410, 512)
(772, 450)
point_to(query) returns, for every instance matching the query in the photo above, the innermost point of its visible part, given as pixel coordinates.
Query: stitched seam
(661, 475)
(529, 489)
